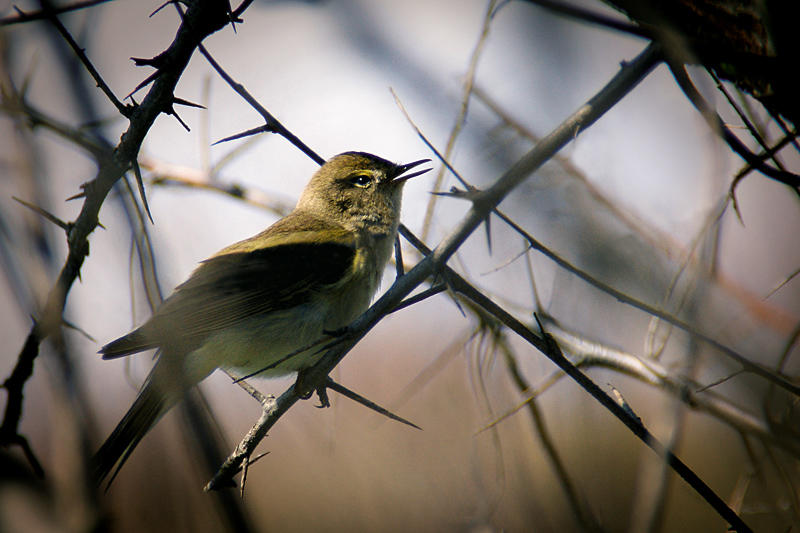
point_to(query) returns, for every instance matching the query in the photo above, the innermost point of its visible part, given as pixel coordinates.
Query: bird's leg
(300, 385)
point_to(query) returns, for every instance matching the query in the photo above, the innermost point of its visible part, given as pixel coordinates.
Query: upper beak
(398, 170)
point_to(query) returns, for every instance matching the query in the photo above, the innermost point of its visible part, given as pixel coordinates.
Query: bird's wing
(271, 271)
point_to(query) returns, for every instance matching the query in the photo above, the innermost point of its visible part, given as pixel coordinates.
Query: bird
(259, 304)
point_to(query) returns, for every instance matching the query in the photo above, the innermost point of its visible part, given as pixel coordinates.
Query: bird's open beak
(399, 170)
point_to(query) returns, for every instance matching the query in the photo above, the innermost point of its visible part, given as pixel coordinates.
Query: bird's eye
(361, 180)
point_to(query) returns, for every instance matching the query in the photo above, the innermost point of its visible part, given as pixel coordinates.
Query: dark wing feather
(266, 273)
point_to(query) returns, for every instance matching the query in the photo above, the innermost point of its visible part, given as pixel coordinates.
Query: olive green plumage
(254, 302)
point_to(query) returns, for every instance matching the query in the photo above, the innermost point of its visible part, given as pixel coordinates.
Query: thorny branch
(717, 124)
(763, 371)
(159, 99)
(468, 85)
(48, 13)
(628, 77)
(435, 263)
(201, 19)
(549, 347)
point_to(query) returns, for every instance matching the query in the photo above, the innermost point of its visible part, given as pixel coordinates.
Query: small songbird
(253, 303)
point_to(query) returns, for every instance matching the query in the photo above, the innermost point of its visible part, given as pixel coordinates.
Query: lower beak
(399, 170)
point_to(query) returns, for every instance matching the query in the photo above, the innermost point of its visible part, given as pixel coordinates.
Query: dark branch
(272, 123)
(551, 350)
(202, 19)
(625, 81)
(717, 124)
(44, 14)
(124, 110)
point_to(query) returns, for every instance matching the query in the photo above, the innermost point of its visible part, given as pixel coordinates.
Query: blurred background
(640, 201)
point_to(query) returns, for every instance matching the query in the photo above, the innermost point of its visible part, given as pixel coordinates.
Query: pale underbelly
(280, 342)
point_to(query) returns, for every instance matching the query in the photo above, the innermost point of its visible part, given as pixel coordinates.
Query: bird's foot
(305, 392)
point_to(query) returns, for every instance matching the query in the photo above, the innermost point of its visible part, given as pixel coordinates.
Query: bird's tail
(143, 414)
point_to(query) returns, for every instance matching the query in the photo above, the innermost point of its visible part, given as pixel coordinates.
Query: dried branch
(48, 13)
(591, 17)
(124, 110)
(628, 77)
(202, 19)
(471, 193)
(767, 373)
(583, 514)
(272, 123)
(466, 94)
(718, 126)
(168, 175)
(548, 346)
(588, 353)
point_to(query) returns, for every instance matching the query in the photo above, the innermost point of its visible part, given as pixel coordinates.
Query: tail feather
(145, 412)
(135, 341)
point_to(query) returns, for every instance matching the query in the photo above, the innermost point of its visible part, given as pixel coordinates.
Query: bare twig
(767, 373)
(626, 79)
(272, 124)
(550, 348)
(585, 15)
(165, 174)
(124, 110)
(48, 13)
(469, 81)
(583, 515)
(719, 127)
(471, 193)
(202, 19)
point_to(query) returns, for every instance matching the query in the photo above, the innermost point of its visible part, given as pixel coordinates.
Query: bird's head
(359, 191)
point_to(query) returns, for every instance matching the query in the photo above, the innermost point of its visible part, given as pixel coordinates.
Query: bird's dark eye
(361, 180)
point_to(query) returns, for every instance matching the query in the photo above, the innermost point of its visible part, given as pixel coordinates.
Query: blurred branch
(719, 127)
(435, 262)
(767, 373)
(143, 245)
(590, 353)
(47, 13)
(549, 347)
(638, 225)
(583, 514)
(466, 94)
(167, 175)
(591, 17)
(202, 19)
(471, 193)
(14, 103)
